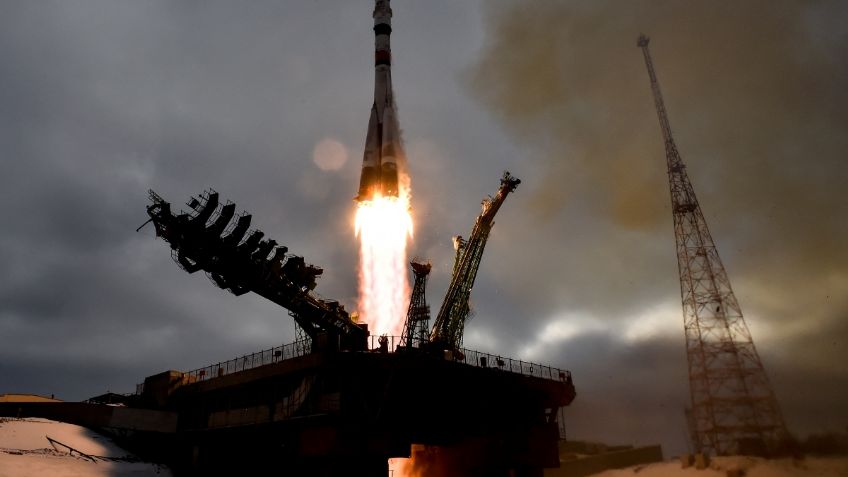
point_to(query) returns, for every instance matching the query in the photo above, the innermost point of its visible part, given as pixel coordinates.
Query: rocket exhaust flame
(383, 226)
(400, 467)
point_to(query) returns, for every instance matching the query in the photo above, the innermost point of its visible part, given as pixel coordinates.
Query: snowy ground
(25, 451)
(745, 466)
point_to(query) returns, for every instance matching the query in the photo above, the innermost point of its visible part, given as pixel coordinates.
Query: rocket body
(384, 158)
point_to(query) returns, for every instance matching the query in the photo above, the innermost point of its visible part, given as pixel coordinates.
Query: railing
(302, 348)
(250, 361)
(484, 360)
(242, 363)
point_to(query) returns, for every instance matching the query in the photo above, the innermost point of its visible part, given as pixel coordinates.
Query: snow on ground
(25, 451)
(749, 467)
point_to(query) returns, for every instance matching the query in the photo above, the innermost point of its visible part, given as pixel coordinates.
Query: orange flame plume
(384, 225)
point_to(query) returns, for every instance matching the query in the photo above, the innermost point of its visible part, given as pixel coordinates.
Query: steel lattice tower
(417, 326)
(733, 407)
(450, 322)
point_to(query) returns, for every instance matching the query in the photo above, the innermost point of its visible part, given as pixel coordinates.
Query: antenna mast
(733, 408)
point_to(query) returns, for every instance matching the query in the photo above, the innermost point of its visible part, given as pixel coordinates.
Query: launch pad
(333, 412)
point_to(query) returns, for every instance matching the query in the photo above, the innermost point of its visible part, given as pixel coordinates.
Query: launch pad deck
(317, 410)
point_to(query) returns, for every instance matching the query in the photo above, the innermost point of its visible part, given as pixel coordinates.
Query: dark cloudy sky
(102, 100)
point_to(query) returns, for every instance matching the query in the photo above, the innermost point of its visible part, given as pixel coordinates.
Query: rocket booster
(384, 156)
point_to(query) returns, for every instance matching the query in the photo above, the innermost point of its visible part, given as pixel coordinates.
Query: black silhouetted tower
(733, 407)
(417, 326)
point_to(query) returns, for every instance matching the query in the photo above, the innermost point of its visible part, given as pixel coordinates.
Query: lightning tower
(733, 407)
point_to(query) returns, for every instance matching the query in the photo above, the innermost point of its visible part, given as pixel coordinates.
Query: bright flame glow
(383, 226)
(400, 467)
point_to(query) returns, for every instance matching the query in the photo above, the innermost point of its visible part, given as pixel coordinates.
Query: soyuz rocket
(384, 157)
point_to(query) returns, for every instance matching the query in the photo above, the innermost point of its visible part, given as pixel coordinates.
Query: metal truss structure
(237, 259)
(416, 330)
(733, 407)
(450, 322)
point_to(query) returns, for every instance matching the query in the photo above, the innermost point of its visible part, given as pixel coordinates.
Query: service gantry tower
(455, 310)
(733, 407)
(416, 330)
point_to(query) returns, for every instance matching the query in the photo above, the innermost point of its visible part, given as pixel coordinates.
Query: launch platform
(331, 412)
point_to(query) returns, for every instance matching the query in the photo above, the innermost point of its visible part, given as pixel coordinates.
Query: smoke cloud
(757, 104)
(756, 99)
